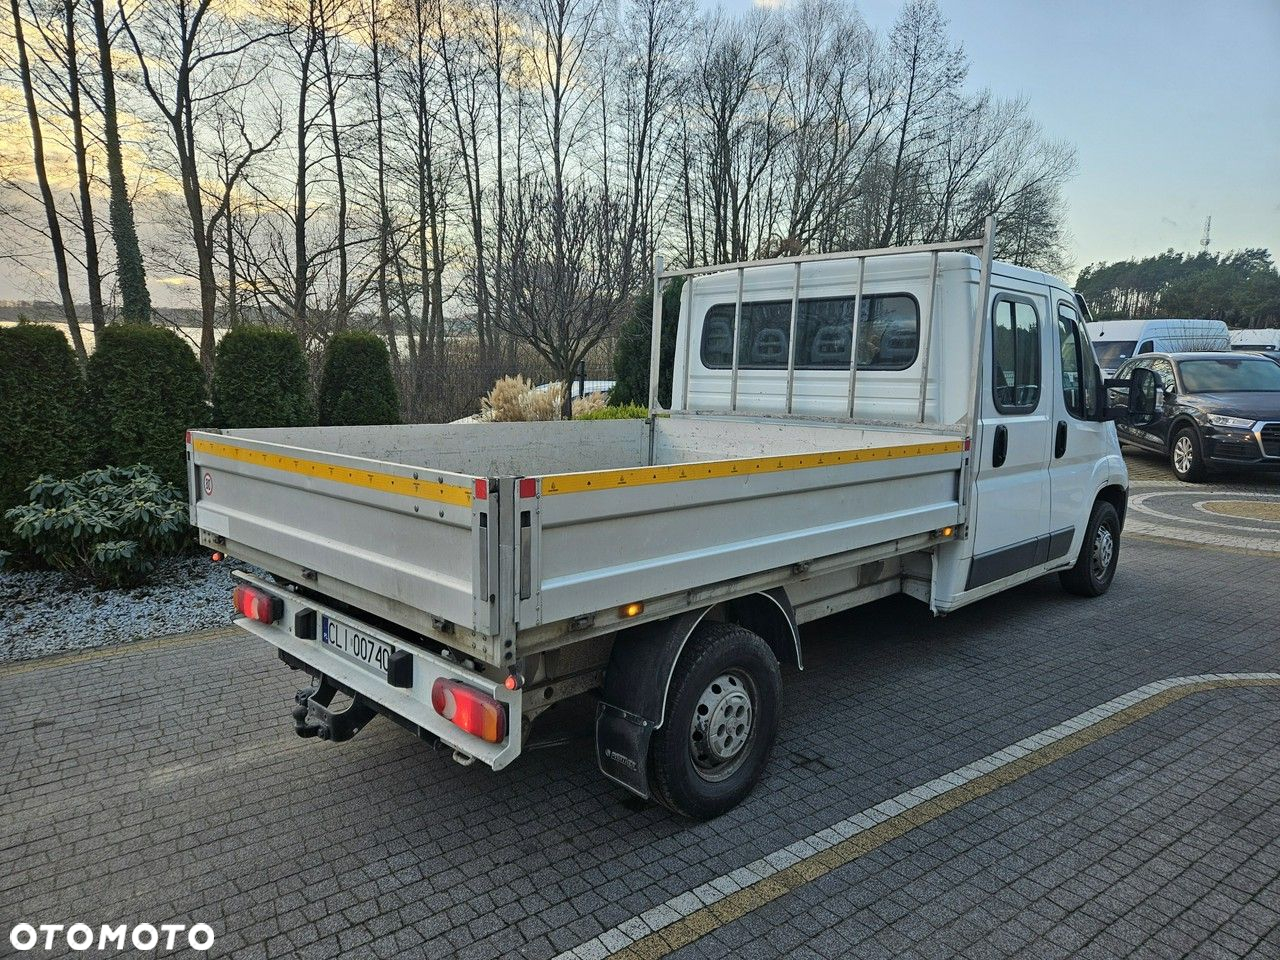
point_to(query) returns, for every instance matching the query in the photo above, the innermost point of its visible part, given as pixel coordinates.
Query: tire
(1095, 568)
(1186, 455)
(724, 672)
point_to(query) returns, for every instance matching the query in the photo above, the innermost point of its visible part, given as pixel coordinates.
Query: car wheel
(720, 724)
(1185, 455)
(1095, 567)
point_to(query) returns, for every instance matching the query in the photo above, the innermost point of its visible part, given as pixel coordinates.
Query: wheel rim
(722, 725)
(1104, 551)
(1183, 454)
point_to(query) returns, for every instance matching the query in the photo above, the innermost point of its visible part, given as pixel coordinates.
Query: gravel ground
(43, 612)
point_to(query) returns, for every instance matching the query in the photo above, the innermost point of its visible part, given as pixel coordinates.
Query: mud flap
(622, 747)
(634, 701)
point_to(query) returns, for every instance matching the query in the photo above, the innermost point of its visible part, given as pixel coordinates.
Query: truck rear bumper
(411, 700)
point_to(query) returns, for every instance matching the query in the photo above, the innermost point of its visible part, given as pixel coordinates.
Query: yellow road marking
(370, 479)
(644, 476)
(669, 937)
(1245, 509)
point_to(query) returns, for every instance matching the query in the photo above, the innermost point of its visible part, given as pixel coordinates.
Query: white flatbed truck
(918, 420)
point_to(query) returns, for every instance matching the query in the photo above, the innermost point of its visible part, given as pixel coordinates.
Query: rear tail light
(469, 709)
(257, 604)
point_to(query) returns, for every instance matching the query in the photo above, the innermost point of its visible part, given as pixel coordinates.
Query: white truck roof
(1101, 330)
(1261, 339)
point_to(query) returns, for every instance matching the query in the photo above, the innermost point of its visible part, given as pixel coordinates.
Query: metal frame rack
(983, 246)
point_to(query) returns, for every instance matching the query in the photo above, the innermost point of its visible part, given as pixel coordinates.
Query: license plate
(357, 646)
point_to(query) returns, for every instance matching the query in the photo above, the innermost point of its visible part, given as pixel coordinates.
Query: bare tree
(652, 43)
(928, 72)
(742, 109)
(565, 279)
(58, 56)
(335, 20)
(42, 178)
(196, 68)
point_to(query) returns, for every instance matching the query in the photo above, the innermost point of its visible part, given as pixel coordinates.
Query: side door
(1157, 430)
(1128, 432)
(1081, 437)
(1011, 496)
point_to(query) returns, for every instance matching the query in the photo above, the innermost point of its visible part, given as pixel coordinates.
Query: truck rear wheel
(720, 724)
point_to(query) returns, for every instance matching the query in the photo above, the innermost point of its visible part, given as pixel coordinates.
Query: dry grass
(589, 404)
(514, 399)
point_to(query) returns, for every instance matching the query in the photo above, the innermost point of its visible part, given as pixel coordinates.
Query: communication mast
(1204, 240)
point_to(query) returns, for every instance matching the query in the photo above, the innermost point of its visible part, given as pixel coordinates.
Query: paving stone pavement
(165, 783)
(1164, 507)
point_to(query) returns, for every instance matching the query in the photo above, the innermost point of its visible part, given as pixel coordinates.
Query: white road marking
(683, 905)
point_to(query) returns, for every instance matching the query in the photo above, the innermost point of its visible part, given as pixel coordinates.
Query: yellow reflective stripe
(643, 476)
(369, 479)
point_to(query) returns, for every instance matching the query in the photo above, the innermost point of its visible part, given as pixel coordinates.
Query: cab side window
(1069, 348)
(1081, 379)
(1147, 346)
(1016, 356)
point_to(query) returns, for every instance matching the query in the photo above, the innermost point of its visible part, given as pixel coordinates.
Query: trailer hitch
(313, 718)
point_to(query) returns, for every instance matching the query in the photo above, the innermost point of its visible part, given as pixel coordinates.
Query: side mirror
(1139, 408)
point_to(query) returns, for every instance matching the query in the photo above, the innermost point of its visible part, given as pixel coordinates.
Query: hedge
(146, 389)
(631, 356)
(630, 411)
(42, 410)
(356, 385)
(260, 380)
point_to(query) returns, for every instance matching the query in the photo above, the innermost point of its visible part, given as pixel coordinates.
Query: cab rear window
(888, 334)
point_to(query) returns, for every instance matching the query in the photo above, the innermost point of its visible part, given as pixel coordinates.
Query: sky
(1173, 106)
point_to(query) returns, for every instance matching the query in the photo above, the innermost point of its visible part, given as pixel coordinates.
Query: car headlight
(1239, 422)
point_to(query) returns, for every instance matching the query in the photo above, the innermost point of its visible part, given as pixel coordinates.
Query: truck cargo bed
(479, 533)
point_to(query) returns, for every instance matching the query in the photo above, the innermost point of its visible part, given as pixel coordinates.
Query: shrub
(146, 390)
(517, 399)
(260, 380)
(631, 355)
(589, 404)
(631, 411)
(356, 386)
(42, 423)
(109, 525)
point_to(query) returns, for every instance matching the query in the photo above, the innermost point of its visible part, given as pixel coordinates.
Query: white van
(1256, 341)
(1115, 341)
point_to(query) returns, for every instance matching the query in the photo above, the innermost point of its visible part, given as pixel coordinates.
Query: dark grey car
(1219, 410)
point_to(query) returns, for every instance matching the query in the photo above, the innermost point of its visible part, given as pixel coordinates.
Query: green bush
(109, 525)
(356, 385)
(42, 415)
(631, 411)
(631, 355)
(146, 390)
(260, 380)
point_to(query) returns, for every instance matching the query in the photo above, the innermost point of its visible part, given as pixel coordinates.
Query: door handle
(1000, 448)
(1060, 442)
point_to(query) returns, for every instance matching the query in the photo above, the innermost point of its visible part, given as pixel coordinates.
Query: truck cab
(1045, 448)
